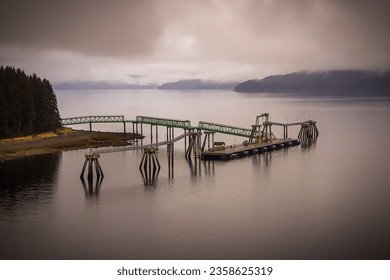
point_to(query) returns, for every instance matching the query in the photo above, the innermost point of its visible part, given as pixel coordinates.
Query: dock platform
(247, 149)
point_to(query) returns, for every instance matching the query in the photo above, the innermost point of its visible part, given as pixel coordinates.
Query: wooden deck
(232, 152)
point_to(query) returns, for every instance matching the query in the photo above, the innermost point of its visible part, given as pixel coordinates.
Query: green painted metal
(226, 129)
(93, 119)
(186, 124)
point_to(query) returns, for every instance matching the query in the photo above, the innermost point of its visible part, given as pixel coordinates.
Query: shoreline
(61, 140)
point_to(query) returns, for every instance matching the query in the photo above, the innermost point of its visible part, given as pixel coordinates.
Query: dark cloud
(95, 27)
(174, 38)
(305, 34)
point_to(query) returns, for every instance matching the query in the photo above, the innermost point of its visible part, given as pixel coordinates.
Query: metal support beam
(226, 129)
(164, 122)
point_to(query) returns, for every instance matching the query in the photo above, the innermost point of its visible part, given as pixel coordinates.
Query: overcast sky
(141, 41)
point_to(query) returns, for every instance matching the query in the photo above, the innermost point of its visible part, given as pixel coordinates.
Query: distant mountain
(84, 85)
(331, 80)
(196, 85)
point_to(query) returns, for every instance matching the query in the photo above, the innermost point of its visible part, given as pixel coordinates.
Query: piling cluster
(308, 133)
(91, 160)
(149, 166)
(193, 146)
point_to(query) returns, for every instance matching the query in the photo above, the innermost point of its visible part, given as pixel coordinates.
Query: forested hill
(332, 80)
(27, 104)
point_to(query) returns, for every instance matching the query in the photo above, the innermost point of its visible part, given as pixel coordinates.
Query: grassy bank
(62, 139)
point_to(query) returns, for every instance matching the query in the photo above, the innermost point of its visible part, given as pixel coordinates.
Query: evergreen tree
(27, 104)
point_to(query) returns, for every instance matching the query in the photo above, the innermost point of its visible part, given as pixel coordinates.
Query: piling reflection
(197, 165)
(90, 189)
(209, 167)
(170, 151)
(149, 167)
(264, 159)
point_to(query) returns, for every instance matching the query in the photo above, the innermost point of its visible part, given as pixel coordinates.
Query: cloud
(303, 33)
(173, 39)
(95, 28)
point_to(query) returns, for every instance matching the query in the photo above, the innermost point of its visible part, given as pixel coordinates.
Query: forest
(336, 80)
(28, 104)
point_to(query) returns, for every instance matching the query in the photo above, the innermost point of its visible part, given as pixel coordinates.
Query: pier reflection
(171, 161)
(196, 166)
(92, 190)
(149, 167)
(264, 159)
(149, 178)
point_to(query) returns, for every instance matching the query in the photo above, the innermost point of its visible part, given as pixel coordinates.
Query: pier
(247, 149)
(199, 141)
(260, 137)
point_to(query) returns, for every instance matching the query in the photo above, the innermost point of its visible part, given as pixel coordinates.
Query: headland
(59, 140)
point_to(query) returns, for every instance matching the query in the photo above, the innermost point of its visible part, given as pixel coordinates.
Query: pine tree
(27, 104)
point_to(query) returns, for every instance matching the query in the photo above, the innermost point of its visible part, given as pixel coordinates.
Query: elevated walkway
(93, 119)
(185, 124)
(226, 129)
(132, 148)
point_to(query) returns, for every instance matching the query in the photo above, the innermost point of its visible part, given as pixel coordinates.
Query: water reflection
(194, 166)
(197, 165)
(264, 158)
(28, 180)
(149, 167)
(149, 177)
(28, 192)
(171, 153)
(209, 167)
(90, 189)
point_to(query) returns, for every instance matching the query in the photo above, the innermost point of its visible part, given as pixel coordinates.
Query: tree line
(330, 80)
(27, 104)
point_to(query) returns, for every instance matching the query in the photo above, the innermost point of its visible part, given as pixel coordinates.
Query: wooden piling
(92, 159)
(149, 166)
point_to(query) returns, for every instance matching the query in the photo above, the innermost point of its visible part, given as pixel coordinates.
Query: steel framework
(186, 124)
(93, 119)
(226, 129)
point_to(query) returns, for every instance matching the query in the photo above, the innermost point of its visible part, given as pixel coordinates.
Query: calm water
(330, 201)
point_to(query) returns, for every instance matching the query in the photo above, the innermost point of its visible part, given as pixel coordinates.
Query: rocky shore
(59, 140)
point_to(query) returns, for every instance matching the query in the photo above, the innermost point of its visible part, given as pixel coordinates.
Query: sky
(158, 41)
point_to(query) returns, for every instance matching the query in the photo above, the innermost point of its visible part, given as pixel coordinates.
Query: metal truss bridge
(226, 129)
(185, 124)
(93, 119)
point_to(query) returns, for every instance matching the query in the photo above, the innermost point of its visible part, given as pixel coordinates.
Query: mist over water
(329, 201)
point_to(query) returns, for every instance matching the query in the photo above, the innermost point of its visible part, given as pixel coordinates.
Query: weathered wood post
(149, 166)
(92, 159)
